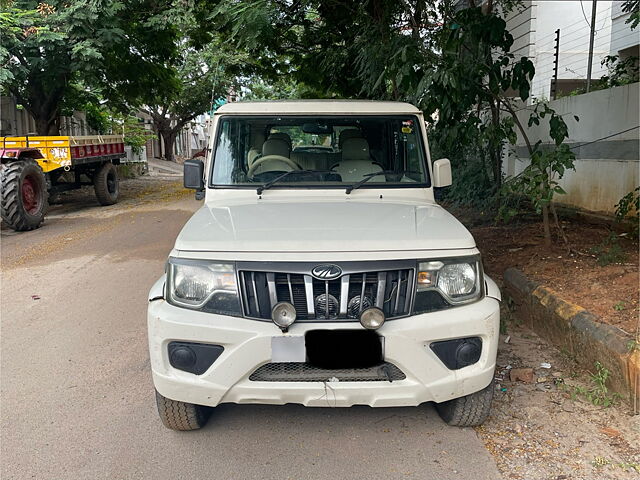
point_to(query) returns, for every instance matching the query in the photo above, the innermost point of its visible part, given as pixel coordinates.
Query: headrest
(355, 149)
(349, 133)
(275, 146)
(281, 136)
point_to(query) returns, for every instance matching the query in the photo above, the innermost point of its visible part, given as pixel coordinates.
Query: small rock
(542, 380)
(508, 339)
(522, 374)
(612, 432)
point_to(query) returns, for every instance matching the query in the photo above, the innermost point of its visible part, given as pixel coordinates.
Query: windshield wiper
(369, 176)
(272, 182)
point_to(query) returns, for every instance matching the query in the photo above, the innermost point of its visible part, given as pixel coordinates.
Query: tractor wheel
(23, 200)
(105, 182)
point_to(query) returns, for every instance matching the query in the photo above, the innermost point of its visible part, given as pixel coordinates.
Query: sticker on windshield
(407, 130)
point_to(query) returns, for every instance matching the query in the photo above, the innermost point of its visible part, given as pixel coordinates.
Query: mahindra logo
(326, 272)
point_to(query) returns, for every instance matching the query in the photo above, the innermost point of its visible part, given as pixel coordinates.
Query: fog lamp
(283, 315)
(372, 318)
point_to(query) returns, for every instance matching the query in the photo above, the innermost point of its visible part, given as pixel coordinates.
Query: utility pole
(556, 60)
(591, 37)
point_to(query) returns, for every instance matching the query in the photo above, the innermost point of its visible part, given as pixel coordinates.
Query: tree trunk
(45, 126)
(169, 140)
(44, 108)
(545, 224)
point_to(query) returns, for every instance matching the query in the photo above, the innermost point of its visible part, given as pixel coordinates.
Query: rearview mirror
(194, 176)
(442, 173)
(317, 128)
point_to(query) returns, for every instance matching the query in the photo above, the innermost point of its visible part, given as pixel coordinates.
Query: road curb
(578, 332)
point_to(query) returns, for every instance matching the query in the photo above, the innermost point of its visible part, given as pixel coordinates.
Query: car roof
(341, 107)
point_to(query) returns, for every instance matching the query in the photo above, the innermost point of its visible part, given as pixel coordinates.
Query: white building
(534, 26)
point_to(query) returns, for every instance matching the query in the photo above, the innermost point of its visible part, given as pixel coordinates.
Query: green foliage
(204, 75)
(98, 118)
(608, 251)
(51, 51)
(632, 6)
(538, 182)
(135, 134)
(598, 393)
(619, 306)
(620, 71)
(628, 210)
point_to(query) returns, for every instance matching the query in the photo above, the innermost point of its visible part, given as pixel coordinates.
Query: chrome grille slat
(344, 294)
(326, 299)
(364, 286)
(398, 290)
(407, 300)
(255, 292)
(290, 287)
(308, 290)
(382, 286)
(271, 285)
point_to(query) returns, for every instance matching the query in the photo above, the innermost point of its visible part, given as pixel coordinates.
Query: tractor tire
(24, 196)
(180, 415)
(468, 411)
(105, 182)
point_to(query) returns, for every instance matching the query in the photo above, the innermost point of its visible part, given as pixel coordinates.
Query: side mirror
(194, 176)
(442, 173)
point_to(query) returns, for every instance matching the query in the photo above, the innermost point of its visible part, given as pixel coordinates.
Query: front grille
(342, 298)
(304, 372)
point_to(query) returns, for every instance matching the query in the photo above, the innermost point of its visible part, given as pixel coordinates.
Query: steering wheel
(272, 158)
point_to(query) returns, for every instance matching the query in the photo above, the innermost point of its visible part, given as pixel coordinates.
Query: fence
(570, 52)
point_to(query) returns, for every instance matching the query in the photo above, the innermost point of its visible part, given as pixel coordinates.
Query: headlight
(203, 285)
(459, 280)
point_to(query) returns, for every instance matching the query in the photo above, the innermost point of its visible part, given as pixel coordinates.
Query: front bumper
(247, 346)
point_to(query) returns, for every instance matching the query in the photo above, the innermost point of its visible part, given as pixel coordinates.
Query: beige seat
(347, 134)
(356, 161)
(282, 136)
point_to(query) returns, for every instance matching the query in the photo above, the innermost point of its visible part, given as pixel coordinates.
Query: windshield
(322, 151)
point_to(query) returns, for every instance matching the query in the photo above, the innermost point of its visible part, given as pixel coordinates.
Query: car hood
(322, 226)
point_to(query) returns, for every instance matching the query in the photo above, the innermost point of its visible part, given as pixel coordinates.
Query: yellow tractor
(34, 167)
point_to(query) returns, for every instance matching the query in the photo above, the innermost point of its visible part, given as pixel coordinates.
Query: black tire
(180, 415)
(23, 199)
(468, 411)
(105, 182)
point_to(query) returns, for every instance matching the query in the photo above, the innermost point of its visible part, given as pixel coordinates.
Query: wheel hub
(30, 197)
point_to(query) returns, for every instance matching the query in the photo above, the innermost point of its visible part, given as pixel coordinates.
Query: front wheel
(23, 201)
(180, 415)
(105, 182)
(468, 411)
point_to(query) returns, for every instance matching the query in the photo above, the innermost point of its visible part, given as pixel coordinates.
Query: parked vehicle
(321, 271)
(34, 167)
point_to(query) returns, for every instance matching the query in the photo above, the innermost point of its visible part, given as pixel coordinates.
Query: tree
(204, 75)
(55, 54)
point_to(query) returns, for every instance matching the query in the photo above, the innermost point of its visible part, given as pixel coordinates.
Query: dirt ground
(610, 291)
(545, 430)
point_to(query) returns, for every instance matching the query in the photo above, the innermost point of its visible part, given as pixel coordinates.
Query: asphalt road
(77, 396)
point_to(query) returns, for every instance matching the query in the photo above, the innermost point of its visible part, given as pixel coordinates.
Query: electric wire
(604, 138)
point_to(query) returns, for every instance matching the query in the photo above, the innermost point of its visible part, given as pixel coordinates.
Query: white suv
(321, 271)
